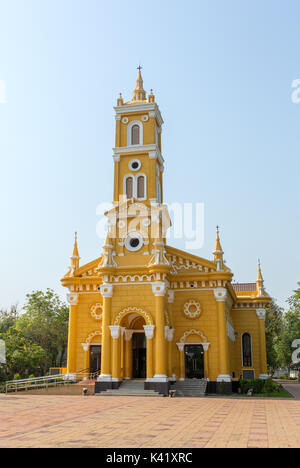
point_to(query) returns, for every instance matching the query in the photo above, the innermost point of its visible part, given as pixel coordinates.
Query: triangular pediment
(181, 261)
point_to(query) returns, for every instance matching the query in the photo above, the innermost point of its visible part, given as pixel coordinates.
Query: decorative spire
(75, 256)
(259, 281)
(139, 94)
(218, 252)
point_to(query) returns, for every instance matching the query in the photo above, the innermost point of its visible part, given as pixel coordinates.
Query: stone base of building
(101, 386)
(214, 387)
(160, 387)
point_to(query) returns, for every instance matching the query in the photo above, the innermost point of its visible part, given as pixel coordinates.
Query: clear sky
(222, 74)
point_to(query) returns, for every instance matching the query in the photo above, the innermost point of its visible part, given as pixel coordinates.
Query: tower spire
(139, 94)
(259, 280)
(218, 252)
(75, 255)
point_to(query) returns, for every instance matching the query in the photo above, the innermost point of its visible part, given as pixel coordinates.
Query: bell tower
(138, 162)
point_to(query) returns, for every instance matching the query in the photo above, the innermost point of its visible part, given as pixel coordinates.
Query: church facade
(146, 310)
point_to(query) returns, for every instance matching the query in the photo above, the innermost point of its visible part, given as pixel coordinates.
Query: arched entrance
(193, 349)
(135, 346)
(194, 361)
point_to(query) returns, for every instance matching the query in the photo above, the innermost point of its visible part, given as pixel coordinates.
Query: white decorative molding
(180, 346)
(72, 299)
(134, 235)
(106, 289)
(171, 296)
(85, 346)
(158, 378)
(94, 309)
(145, 118)
(116, 158)
(230, 330)
(170, 333)
(192, 304)
(193, 332)
(129, 131)
(115, 331)
(127, 279)
(159, 288)
(130, 310)
(133, 161)
(104, 378)
(220, 294)
(261, 313)
(92, 336)
(124, 120)
(140, 107)
(205, 346)
(149, 331)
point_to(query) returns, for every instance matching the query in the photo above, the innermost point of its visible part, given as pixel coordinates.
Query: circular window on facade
(135, 165)
(134, 242)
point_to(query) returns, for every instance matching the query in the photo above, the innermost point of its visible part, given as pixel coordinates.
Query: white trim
(158, 378)
(143, 107)
(135, 185)
(152, 150)
(132, 161)
(220, 294)
(106, 289)
(129, 133)
(261, 314)
(104, 378)
(133, 235)
(149, 331)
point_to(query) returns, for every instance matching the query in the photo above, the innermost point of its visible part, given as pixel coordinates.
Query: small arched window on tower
(141, 187)
(247, 350)
(129, 187)
(135, 135)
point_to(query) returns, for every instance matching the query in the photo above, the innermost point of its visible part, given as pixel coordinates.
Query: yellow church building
(146, 310)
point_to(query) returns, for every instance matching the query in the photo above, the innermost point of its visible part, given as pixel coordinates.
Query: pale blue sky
(222, 74)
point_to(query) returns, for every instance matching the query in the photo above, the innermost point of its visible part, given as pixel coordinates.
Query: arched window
(141, 187)
(247, 350)
(135, 135)
(129, 187)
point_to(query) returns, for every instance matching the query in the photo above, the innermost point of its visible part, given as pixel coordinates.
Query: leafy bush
(17, 377)
(269, 386)
(257, 385)
(223, 388)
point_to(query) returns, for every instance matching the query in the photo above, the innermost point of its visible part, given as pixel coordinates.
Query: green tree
(274, 323)
(8, 318)
(290, 330)
(45, 323)
(22, 356)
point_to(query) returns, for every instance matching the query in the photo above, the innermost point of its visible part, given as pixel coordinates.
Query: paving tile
(132, 422)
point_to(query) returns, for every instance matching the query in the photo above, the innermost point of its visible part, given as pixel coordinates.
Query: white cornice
(152, 150)
(143, 107)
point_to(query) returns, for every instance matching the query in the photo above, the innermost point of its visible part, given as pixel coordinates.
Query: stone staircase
(190, 388)
(130, 388)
